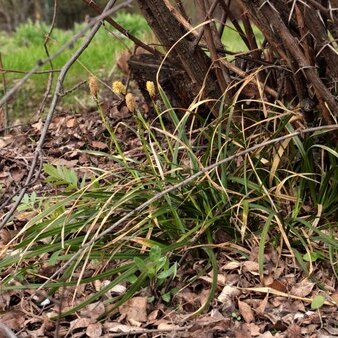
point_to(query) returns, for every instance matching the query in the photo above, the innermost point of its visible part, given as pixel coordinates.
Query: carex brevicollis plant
(280, 196)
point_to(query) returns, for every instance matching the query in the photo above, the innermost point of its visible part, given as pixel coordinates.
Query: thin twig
(11, 127)
(122, 30)
(180, 185)
(4, 109)
(72, 89)
(51, 74)
(325, 11)
(182, 10)
(70, 43)
(39, 72)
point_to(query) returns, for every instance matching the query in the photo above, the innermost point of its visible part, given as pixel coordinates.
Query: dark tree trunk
(195, 66)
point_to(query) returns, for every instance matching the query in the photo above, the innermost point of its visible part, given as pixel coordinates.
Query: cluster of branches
(296, 62)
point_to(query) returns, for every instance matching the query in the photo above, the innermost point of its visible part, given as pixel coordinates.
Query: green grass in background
(22, 50)
(233, 42)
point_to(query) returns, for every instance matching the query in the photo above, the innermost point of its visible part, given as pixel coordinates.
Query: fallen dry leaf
(62, 161)
(242, 332)
(81, 323)
(221, 279)
(302, 289)
(227, 295)
(334, 297)
(294, 331)
(38, 125)
(167, 326)
(135, 309)
(99, 145)
(117, 327)
(5, 236)
(251, 266)
(231, 266)
(253, 329)
(153, 315)
(93, 310)
(267, 334)
(94, 330)
(13, 319)
(262, 306)
(246, 311)
(277, 285)
(5, 140)
(71, 123)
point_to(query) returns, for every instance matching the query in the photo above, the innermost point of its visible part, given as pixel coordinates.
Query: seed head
(130, 102)
(150, 88)
(93, 87)
(118, 87)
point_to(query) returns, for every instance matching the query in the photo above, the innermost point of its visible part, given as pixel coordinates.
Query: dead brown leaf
(277, 285)
(81, 323)
(5, 236)
(18, 174)
(38, 125)
(94, 330)
(231, 266)
(117, 327)
(71, 123)
(294, 331)
(63, 162)
(251, 266)
(93, 310)
(167, 326)
(221, 279)
(242, 332)
(5, 141)
(13, 319)
(262, 306)
(227, 295)
(253, 329)
(122, 61)
(302, 289)
(99, 145)
(135, 309)
(246, 311)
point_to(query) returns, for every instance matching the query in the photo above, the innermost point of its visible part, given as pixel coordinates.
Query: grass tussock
(122, 222)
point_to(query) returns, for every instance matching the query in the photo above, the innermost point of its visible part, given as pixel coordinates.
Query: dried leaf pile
(277, 305)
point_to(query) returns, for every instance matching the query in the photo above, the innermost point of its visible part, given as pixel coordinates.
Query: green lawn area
(22, 49)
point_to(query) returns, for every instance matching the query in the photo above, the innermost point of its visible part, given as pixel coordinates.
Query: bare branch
(55, 100)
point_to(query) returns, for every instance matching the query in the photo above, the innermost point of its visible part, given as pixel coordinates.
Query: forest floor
(243, 306)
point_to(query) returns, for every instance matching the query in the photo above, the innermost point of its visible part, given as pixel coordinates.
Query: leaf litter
(279, 305)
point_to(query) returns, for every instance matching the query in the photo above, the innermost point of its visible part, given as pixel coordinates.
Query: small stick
(4, 109)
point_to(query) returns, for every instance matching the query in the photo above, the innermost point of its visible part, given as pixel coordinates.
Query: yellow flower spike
(130, 102)
(93, 87)
(119, 88)
(150, 86)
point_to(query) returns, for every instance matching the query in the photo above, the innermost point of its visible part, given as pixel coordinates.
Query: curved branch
(57, 95)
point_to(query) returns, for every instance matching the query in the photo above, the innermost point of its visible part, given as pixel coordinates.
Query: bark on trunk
(170, 27)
